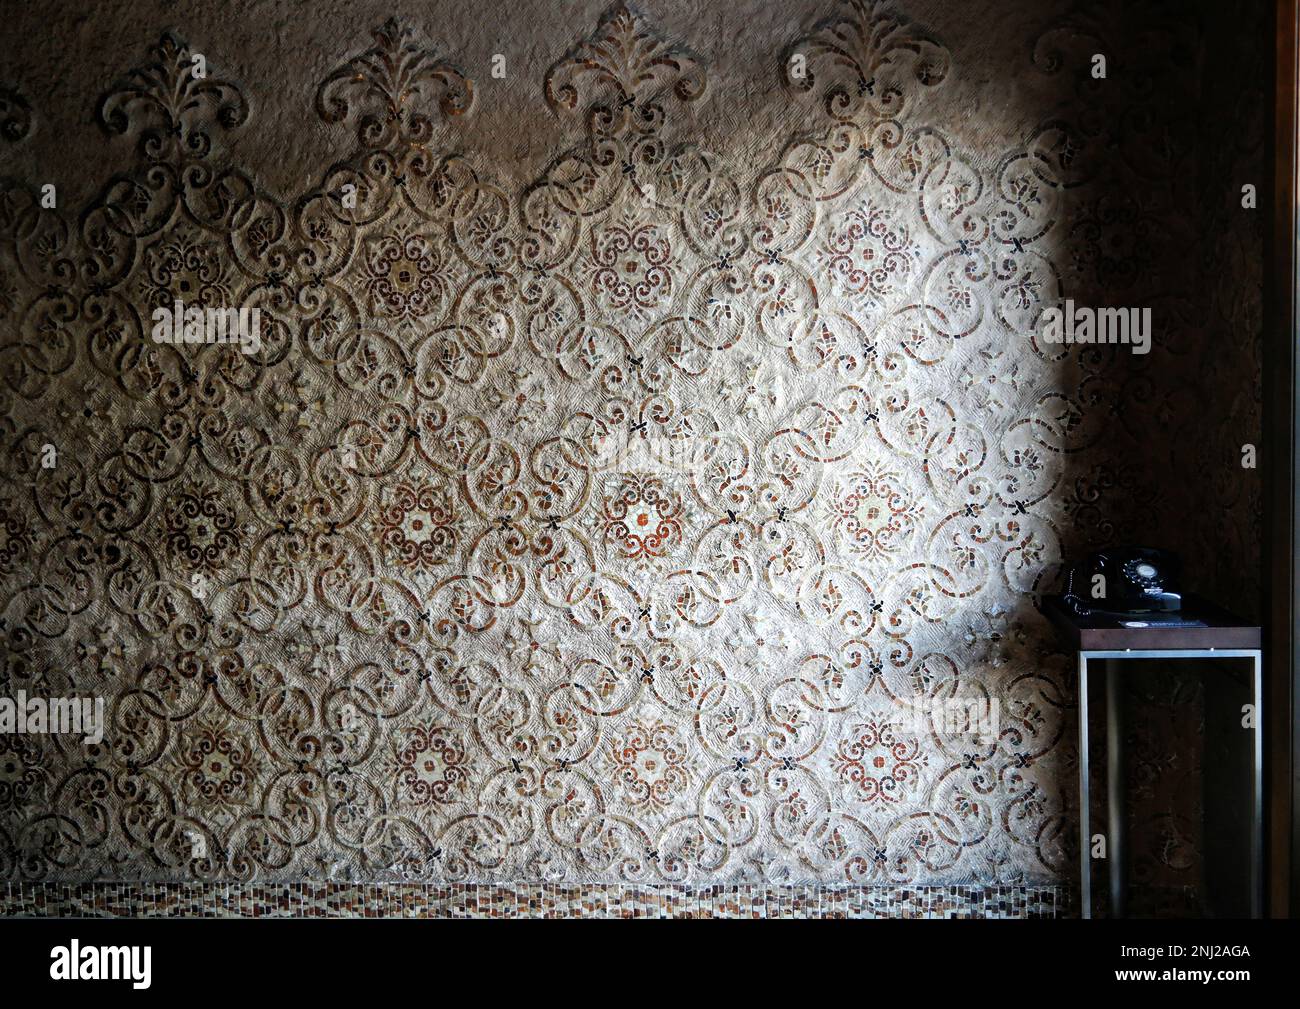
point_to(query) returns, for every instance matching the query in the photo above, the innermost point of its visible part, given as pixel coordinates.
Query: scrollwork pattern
(611, 523)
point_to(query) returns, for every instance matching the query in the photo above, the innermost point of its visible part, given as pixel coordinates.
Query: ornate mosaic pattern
(601, 529)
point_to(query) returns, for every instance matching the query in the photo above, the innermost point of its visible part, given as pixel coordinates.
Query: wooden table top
(1217, 628)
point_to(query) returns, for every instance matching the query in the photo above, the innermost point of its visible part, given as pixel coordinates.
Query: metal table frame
(1114, 778)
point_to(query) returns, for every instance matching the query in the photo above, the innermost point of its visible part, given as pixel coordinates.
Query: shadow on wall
(654, 522)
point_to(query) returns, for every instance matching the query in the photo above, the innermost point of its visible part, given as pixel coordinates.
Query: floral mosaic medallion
(610, 526)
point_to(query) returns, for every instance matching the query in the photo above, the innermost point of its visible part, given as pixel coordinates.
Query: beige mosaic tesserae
(638, 447)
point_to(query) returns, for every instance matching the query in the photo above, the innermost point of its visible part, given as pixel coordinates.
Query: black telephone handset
(1124, 581)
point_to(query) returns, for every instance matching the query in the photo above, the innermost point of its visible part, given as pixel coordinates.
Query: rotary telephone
(1125, 581)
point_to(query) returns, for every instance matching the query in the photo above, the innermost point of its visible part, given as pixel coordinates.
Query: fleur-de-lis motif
(173, 103)
(861, 51)
(386, 88)
(627, 62)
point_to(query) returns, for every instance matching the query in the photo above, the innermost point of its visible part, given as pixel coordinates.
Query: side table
(1201, 631)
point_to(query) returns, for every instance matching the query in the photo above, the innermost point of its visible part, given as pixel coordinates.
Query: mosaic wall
(600, 516)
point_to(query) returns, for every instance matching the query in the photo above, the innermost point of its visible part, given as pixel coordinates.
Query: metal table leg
(1085, 794)
(1257, 828)
(1116, 843)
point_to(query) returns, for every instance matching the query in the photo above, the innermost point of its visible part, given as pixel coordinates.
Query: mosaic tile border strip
(569, 900)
